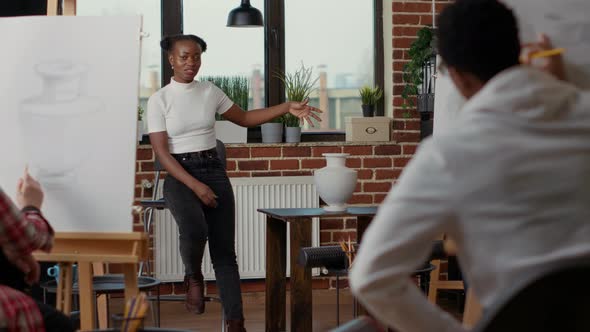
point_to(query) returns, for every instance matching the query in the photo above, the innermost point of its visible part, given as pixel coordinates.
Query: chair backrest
(221, 153)
(558, 300)
(158, 168)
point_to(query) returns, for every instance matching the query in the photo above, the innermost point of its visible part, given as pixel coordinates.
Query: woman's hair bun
(165, 44)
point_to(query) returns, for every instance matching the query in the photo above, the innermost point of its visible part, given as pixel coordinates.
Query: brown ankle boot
(235, 325)
(195, 293)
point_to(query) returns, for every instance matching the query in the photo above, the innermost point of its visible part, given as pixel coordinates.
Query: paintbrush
(134, 313)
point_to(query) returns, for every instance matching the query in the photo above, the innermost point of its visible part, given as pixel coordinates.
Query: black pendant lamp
(245, 16)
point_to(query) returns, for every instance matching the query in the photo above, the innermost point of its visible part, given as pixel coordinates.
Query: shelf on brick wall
(310, 144)
(145, 141)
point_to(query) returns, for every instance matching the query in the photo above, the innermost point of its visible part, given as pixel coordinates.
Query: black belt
(198, 154)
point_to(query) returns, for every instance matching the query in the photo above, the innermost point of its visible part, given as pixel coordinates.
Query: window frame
(274, 46)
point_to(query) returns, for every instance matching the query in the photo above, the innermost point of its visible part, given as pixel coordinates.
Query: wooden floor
(173, 314)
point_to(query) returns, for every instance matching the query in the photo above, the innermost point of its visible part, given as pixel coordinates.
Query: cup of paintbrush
(349, 250)
(135, 312)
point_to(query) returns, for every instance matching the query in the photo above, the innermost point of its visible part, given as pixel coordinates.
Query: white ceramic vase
(335, 182)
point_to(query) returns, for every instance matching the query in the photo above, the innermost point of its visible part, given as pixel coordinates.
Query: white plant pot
(292, 134)
(229, 132)
(272, 132)
(335, 182)
(140, 129)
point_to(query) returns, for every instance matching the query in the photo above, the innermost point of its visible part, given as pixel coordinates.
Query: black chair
(335, 261)
(159, 203)
(557, 300)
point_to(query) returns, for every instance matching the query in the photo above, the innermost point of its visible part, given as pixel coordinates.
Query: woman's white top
(186, 111)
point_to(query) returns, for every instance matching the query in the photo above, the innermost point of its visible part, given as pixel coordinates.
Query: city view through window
(339, 47)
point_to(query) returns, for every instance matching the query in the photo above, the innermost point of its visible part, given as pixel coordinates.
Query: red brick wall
(408, 17)
(378, 166)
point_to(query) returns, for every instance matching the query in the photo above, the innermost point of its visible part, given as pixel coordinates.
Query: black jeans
(198, 223)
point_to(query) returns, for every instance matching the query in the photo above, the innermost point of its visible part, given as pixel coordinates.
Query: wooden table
(299, 221)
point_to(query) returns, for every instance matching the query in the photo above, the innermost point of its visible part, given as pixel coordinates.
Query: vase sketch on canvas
(63, 114)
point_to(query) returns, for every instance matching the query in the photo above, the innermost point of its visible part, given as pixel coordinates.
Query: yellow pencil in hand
(546, 53)
(527, 58)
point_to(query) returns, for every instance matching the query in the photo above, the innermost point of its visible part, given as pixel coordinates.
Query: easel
(91, 250)
(128, 249)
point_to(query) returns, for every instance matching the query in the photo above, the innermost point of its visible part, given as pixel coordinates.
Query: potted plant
(272, 131)
(298, 86)
(369, 98)
(417, 74)
(237, 89)
(140, 122)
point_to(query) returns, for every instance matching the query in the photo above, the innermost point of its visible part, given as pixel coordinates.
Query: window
(339, 47)
(150, 52)
(230, 51)
(345, 47)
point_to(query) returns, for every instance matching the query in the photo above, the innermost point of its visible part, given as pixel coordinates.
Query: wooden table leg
(301, 303)
(86, 295)
(362, 222)
(64, 288)
(131, 288)
(276, 267)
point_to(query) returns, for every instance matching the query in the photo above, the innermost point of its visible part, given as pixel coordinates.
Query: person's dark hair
(167, 43)
(479, 37)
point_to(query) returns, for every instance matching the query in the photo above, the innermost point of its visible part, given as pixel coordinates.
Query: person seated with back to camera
(509, 184)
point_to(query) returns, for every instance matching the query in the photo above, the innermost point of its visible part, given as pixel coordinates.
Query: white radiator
(250, 194)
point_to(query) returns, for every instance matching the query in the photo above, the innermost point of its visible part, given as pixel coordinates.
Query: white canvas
(566, 22)
(69, 93)
(447, 104)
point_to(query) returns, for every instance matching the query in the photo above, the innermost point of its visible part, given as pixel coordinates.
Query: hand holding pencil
(543, 55)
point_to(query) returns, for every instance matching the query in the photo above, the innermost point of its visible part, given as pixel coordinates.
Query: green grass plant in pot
(298, 87)
(369, 98)
(420, 53)
(236, 88)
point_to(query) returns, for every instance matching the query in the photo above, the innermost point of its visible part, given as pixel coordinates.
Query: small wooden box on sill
(369, 129)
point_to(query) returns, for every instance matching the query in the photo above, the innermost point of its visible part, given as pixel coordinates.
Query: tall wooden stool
(472, 311)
